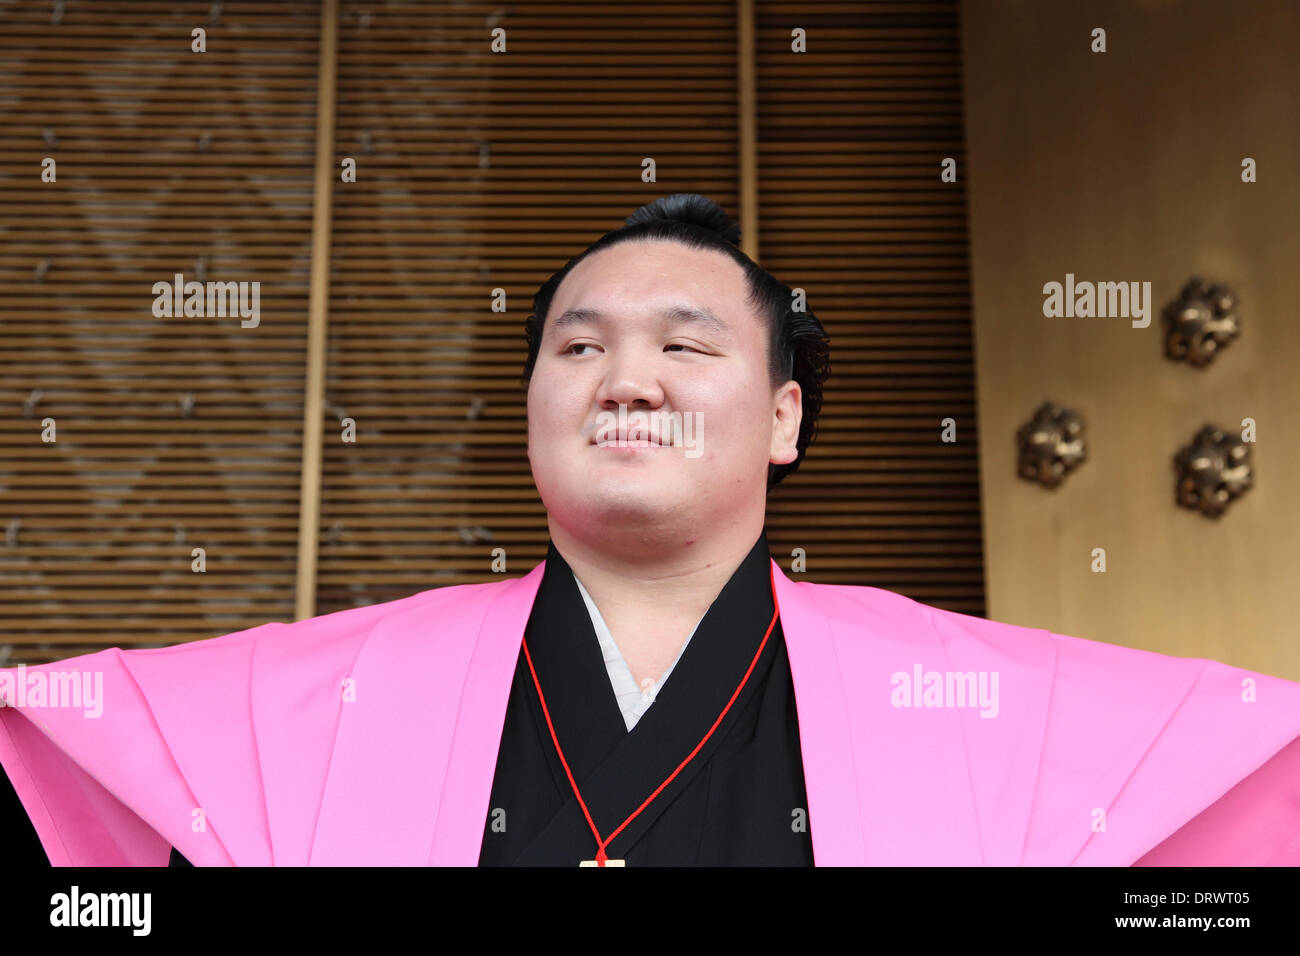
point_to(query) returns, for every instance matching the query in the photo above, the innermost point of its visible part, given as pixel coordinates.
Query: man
(658, 691)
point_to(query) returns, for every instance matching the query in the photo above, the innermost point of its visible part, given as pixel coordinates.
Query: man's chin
(628, 503)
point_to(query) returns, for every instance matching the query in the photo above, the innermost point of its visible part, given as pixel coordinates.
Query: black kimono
(740, 802)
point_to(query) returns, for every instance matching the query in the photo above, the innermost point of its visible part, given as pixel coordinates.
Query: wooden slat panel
(101, 523)
(851, 134)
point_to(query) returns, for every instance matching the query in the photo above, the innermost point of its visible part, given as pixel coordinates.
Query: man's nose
(630, 379)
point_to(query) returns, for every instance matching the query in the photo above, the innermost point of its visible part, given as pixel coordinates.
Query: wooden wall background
(1126, 166)
(165, 158)
(475, 171)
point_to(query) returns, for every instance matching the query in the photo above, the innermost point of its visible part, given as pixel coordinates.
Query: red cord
(601, 856)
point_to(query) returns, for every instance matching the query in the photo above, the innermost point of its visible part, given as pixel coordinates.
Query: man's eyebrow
(676, 314)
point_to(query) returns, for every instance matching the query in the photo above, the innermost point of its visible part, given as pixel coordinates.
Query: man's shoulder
(440, 610)
(860, 611)
(862, 608)
(860, 614)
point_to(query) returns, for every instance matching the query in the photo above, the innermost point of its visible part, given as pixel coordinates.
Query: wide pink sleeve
(103, 783)
(79, 822)
(1193, 761)
(1256, 823)
(1036, 749)
(226, 748)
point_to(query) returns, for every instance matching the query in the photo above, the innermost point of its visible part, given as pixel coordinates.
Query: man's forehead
(666, 281)
(672, 313)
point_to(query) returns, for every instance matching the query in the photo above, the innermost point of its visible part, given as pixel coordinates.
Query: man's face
(619, 333)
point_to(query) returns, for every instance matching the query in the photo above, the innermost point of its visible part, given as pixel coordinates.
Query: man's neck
(651, 604)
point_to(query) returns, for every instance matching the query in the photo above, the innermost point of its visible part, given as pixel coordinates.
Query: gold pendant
(608, 862)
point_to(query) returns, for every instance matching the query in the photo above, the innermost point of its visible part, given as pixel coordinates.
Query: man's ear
(787, 414)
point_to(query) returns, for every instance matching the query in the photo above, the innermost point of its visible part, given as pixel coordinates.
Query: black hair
(798, 346)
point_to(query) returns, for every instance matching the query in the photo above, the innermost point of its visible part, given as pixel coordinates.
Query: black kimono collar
(617, 769)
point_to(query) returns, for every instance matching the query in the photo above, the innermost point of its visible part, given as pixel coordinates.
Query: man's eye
(577, 345)
(679, 345)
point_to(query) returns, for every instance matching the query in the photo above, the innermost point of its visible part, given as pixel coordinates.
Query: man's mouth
(627, 438)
